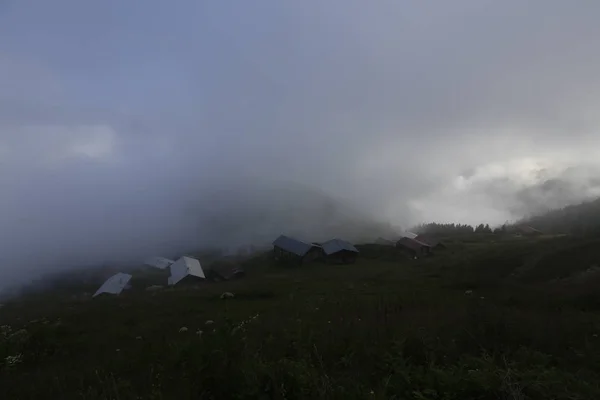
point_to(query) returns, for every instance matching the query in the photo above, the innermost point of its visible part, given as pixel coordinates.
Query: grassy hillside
(472, 322)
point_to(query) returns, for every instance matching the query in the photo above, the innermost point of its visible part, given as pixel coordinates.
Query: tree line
(580, 219)
(448, 229)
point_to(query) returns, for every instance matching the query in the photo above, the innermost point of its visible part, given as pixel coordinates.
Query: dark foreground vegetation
(488, 318)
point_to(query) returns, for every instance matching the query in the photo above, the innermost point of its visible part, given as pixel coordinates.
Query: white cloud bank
(128, 130)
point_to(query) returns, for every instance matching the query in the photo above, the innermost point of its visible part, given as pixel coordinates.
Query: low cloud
(127, 131)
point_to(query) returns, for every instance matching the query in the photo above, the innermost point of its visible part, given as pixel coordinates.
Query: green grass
(387, 327)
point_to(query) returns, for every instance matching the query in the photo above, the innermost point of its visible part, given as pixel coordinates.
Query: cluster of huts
(338, 251)
(414, 245)
(335, 251)
(285, 250)
(185, 269)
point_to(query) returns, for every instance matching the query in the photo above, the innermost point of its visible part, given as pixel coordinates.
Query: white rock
(183, 329)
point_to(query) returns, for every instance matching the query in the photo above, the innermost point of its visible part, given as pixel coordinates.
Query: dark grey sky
(118, 119)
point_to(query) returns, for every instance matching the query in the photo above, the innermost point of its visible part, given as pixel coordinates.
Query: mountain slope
(580, 219)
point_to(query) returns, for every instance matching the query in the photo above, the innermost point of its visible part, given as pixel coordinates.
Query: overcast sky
(122, 121)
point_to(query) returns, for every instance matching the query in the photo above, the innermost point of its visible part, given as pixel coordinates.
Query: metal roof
(292, 245)
(183, 267)
(412, 243)
(335, 245)
(114, 285)
(528, 229)
(427, 240)
(159, 262)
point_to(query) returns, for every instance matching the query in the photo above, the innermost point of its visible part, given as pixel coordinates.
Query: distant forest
(434, 228)
(580, 219)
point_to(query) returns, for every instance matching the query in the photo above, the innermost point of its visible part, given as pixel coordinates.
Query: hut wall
(342, 257)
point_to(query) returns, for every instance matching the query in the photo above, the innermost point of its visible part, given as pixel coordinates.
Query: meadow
(487, 318)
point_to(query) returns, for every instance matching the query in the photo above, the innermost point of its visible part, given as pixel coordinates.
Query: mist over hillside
(578, 219)
(257, 213)
(129, 229)
(129, 131)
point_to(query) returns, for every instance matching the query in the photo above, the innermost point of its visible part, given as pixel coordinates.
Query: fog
(129, 130)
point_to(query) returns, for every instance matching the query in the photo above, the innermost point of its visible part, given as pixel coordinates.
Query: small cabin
(338, 251)
(433, 242)
(290, 250)
(413, 247)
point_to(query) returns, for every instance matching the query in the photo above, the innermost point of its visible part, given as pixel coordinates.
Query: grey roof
(335, 245)
(114, 285)
(411, 243)
(159, 262)
(429, 240)
(292, 245)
